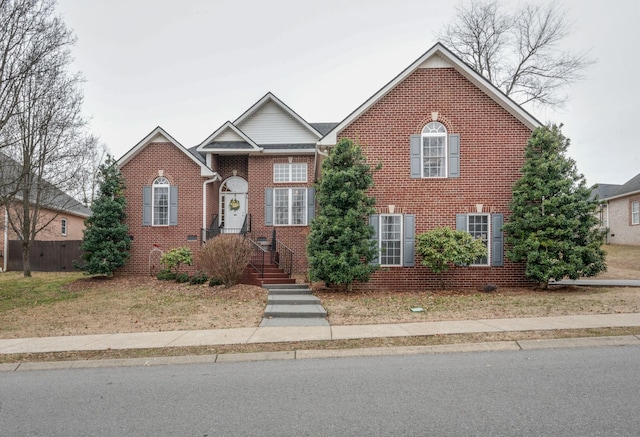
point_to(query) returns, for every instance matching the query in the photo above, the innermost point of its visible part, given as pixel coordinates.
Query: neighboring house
(62, 217)
(451, 147)
(620, 211)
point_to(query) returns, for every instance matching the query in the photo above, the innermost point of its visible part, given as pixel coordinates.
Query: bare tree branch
(519, 52)
(42, 131)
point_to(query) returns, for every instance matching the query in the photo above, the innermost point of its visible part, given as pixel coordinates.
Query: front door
(233, 208)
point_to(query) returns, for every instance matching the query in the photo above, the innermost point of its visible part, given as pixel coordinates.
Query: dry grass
(133, 304)
(623, 262)
(45, 306)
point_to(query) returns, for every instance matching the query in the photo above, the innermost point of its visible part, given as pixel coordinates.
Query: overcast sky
(189, 66)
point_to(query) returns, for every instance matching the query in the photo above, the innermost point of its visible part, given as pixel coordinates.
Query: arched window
(434, 150)
(160, 202)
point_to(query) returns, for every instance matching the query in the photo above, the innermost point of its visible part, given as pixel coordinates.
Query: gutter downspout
(315, 163)
(608, 224)
(204, 205)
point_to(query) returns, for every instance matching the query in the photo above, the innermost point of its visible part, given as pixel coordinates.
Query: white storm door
(235, 210)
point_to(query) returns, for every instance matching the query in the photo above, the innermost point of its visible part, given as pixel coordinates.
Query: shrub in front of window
(176, 257)
(442, 248)
(225, 257)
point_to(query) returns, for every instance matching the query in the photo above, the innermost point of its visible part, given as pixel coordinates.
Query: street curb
(494, 346)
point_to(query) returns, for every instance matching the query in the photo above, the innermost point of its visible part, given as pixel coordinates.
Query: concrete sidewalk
(146, 340)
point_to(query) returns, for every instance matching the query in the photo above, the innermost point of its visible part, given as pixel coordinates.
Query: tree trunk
(26, 267)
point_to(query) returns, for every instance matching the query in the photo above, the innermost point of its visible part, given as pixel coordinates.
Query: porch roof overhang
(229, 147)
(244, 148)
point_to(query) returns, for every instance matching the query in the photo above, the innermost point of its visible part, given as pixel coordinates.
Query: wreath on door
(234, 204)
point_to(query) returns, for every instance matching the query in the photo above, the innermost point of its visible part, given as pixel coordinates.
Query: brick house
(620, 211)
(60, 219)
(253, 175)
(451, 147)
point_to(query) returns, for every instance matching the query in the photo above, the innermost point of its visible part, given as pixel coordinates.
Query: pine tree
(106, 241)
(340, 247)
(553, 226)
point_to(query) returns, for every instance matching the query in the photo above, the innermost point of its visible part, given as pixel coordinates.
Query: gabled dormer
(228, 140)
(268, 126)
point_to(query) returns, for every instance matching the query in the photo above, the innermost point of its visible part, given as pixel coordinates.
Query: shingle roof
(197, 154)
(227, 145)
(630, 186)
(289, 146)
(56, 198)
(607, 191)
(323, 128)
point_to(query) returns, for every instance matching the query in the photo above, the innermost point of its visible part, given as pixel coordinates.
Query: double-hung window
(635, 213)
(435, 153)
(290, 172)
(63, 225)
(160, 202)
(390, 240)
(434, 150)
(394, 237)
(488, 229)
(290, 206)
(478, 227)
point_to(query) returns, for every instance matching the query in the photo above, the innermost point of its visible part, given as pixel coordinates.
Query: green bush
(442, 248)
(174, 258)
(215, 281)
(181, 278)
(166, 275)
(199, 278)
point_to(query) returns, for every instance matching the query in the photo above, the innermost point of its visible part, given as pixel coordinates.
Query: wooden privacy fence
(46, 256)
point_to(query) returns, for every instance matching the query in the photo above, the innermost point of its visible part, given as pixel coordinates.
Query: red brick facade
(182, 172)
(492, 140)
(492, 144)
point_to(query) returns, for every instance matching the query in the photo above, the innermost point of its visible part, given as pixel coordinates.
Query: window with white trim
(478, 227)
(290, 206)
(390, 241)
(160, 202)
(635, 213)
(290, 172)
(63, 227)
(434, 150)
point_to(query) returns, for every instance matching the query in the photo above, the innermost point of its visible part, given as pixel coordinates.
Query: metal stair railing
(215, 229)
(258, 257)
(281, 255)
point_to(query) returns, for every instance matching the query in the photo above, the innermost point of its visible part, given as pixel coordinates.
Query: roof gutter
(630, 193)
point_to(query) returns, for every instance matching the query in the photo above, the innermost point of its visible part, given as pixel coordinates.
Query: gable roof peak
(270, 97)
(243, 142)
(443, 54)
(153, 137)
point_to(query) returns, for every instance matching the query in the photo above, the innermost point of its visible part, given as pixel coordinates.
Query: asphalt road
(551, 392)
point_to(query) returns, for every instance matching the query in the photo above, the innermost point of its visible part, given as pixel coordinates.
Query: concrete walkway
(146, 340)
(599, 282)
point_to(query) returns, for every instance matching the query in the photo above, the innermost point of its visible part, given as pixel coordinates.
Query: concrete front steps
(293, 305)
